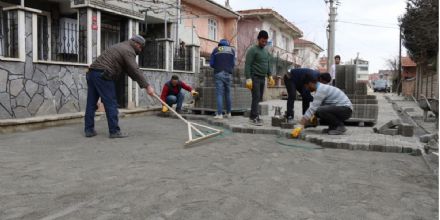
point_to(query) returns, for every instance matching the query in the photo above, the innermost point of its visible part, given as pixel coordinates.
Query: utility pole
(331, 32)
(399, 80)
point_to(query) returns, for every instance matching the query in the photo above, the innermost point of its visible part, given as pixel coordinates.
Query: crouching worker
(294, 81)
(329, 104)
(172, 93)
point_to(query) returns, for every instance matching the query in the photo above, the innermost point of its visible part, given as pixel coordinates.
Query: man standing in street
(333, 69)
(329, 104)
(223, 62)
(108, 67)
(172, 93)
(257, 68)
(294, 81)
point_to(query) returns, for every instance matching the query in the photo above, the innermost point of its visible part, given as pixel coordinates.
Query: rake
(192, 126)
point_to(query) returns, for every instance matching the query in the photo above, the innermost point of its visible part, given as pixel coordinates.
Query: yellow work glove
(249, 84)
(271, 81)
(297, 131)
(194, 93)
(164, 109)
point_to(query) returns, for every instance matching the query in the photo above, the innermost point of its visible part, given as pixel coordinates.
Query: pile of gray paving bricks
(241, 97)
(395, 127)
(365, 107)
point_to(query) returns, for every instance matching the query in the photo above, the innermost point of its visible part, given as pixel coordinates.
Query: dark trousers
(292, 85)
(99, 87)
(178, 100)
(334, 116)
(257, 94)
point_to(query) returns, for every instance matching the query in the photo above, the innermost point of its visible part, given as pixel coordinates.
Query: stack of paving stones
(395, 127)
(241, 97)
(365, 108)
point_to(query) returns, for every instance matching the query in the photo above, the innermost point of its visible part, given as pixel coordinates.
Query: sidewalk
(356, 138)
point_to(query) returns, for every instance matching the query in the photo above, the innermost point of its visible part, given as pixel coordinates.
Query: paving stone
(390, 131)
(236, 129)
(328, 144)
(286, 125)
(390, 124)
(406, 130)
(360, 146)
(276, 121)
(393, 149)
(427, 137)
(263, 109)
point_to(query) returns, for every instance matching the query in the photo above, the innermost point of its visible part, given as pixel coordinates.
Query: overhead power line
(368, 25)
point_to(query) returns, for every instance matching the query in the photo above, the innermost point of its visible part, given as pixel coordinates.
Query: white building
(307, 54)
(362, 71)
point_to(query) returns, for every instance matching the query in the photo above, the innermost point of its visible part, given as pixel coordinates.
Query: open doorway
(114, 29)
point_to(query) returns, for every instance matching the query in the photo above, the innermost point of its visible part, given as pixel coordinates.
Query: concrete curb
(40, 122)
(312, 138)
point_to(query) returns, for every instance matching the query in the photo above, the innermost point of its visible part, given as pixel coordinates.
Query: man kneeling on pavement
(330, 104)
(172, 93)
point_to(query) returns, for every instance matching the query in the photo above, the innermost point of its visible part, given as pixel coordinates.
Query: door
(114, 29)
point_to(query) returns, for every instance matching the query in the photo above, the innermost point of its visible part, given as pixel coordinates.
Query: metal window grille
(61, 39)
(183, 59)
(153, 55)
(9, 33)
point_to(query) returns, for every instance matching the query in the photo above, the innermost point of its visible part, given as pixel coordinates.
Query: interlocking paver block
(406, 130)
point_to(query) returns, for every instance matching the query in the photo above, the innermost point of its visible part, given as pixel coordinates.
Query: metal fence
(153, 55)
(67, 40)
(8, 33)
(183, 59)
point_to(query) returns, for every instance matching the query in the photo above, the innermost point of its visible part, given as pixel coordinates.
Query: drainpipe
(177, 21)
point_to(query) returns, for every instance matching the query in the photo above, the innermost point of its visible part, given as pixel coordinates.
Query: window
(61, 39)
(363, 68)
(212, 29)
(272, 36)
(285, 43)
(8, 33)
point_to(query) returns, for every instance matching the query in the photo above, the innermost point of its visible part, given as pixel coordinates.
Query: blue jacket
(297, 75)
(223, 57)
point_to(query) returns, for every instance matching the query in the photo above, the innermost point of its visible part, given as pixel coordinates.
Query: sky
(375, 44)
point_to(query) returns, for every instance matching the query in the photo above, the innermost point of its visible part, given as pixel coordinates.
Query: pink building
(211, 21)
(281, 35)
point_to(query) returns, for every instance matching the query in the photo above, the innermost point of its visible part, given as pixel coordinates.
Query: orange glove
(297, 131)
(164, 109)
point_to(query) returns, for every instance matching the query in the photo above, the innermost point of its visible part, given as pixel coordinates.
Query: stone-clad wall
(30, 89)
(40, 90)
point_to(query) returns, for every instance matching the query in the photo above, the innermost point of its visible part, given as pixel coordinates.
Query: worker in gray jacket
(110, 66)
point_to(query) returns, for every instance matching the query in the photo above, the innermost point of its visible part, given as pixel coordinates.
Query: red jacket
(166, 90)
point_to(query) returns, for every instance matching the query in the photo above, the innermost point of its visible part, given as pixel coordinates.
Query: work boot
(338, 131)
(289, 120)
(179, 111)
(90, 133)
(256, 121)
(118, 135)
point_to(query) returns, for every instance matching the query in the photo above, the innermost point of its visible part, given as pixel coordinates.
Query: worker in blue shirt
(223, 62)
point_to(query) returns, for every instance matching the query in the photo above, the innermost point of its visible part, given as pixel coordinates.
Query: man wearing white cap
(108, 67)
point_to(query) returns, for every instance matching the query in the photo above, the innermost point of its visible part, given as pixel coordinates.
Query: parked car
(381, 85)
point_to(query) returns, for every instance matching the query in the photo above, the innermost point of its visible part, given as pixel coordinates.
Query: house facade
(281, 35)
(307, 54)
(211, 22)
(47, 46)
(409, 68)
